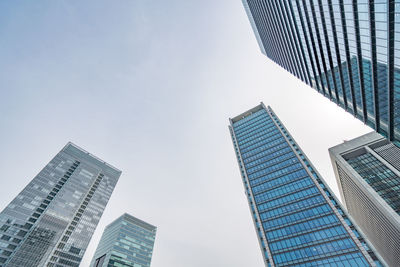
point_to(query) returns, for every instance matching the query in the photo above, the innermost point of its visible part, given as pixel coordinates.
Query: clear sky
(148, 86)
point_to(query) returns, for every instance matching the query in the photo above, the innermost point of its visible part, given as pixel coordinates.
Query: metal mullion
(390, 45)
(293, 42)
(279, 57)
(328, 49)
(320, 47)
(273, 20)
(298, 44)
(264, 27)
(306, 40)
(348, 59)
(374, 76)
(261, 28)
(283, 28)
(312, 42)
(359, 60)
(337, 51)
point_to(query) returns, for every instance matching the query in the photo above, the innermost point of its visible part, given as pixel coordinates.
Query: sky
(149, 86)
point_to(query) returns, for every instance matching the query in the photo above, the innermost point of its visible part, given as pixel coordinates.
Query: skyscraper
(297, 218)
(127, 241)
(349, 51)
(51, 221)
(367, 170)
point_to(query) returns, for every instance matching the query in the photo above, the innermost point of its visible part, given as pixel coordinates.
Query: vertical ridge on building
(347, 50)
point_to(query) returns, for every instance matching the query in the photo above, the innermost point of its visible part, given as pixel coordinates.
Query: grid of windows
(51, 221)
(383, 180)
(347, 50)
(297, 221)
(127, 241)
(367, 171)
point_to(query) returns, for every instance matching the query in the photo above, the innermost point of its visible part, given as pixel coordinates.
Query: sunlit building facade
(367, 170)
(349, 51)
(299, 222)
(128, 241)
(51, 221)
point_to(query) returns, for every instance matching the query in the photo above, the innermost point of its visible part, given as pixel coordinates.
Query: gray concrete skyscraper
(348, 50)
(367, 170)
(127, 241)
(51, 222)
(298, 220)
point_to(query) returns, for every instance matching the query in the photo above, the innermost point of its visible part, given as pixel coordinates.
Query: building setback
(297, 218)
(51, 221)
(127, 241)
(349, 51)
(367, 170)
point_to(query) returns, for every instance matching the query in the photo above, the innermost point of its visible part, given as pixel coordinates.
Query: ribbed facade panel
(348, 50)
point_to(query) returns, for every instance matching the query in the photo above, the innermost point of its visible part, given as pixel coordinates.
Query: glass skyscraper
(51, 221)
(367, 170)
(127, 241)
(298, 220)
(348, 50)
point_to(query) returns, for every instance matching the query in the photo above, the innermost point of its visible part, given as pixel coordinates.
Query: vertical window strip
(359, 61)
(343, 86)
(298, 43)
(282, 40)
(300, 28)
(260, 25)
(292, 48)
(318, 36)
(347, 54)
(301, 5)
(374, 78)
(390, 60)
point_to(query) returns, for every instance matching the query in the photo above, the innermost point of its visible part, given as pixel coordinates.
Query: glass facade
(298, 220)
(348, 50)
(368, 173)
(383, 180)
(127, 241)
(51, 221)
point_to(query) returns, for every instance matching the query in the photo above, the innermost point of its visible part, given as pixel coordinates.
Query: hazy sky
(148, 86)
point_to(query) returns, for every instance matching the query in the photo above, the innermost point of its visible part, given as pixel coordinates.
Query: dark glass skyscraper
(367, 170)
(348, 50)
(51, 222)
(127, 241)
(298, 220)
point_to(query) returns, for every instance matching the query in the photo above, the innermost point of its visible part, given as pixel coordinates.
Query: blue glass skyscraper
(348, 50)
(299, 222)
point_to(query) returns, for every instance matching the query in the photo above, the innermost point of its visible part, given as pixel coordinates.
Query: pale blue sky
(148, 86)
